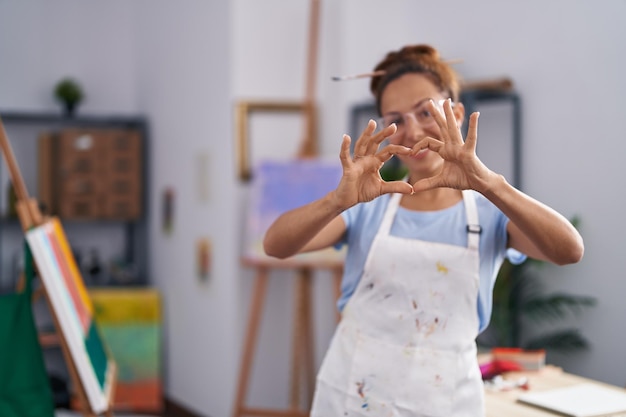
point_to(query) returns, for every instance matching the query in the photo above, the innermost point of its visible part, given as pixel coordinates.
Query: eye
(393, 119)
(423, 114)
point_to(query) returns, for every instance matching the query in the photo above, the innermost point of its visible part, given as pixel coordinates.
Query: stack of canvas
(130, 322)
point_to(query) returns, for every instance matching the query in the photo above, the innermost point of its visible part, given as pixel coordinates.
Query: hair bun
(419, 58)
(420, 51)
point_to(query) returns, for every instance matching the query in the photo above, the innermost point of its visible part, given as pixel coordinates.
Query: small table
(504, 403)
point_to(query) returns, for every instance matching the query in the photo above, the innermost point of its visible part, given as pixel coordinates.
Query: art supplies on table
(502, 360)
(528, 360)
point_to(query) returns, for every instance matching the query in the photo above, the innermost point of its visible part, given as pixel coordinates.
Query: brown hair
(423, 59)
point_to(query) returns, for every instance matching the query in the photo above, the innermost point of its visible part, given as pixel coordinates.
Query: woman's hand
(461, 167)
(361, 180)
(534, 228)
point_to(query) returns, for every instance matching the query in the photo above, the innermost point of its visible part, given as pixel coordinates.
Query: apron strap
(390, 213)
(473, 225)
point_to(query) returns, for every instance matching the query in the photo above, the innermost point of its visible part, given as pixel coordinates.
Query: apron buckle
(474, 228)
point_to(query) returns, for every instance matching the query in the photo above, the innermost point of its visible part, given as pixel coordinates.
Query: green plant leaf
(567, 340)
(69, 91)
(555, 306)
(393, 170)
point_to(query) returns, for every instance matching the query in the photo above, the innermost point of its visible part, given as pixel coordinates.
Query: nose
(412, 128)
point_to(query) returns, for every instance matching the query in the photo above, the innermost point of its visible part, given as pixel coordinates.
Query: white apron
(405, 346)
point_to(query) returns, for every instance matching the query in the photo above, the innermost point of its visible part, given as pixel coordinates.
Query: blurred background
(182, 68)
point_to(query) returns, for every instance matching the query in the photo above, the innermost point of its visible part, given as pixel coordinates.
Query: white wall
(184, 66)
(42, 42)
(183, 83)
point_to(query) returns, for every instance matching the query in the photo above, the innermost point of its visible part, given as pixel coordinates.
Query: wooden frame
(244, 110)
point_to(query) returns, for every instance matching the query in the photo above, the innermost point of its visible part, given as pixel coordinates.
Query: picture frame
(246, 109)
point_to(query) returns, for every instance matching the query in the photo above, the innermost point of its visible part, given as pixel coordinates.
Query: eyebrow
(419, 103)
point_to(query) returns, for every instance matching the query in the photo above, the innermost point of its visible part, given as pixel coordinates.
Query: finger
(390, 150)
(344, 154)
(401, 187)
(427, 184)
(427, 143)
(440, 119)
(361, 145)
(380, 137)
(472, 131)
(453, 128)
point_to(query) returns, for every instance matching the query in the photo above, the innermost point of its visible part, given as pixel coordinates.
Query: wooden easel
(302, 358)
(30, 216)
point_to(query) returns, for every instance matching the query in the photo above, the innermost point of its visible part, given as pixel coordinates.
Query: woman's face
(404, 102)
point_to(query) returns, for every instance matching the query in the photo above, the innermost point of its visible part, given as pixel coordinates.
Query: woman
(423, 253)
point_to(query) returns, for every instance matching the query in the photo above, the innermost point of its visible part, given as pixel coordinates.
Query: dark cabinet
(91, 173)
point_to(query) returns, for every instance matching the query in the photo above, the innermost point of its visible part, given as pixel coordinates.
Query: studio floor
(66, 413)
(170, 410)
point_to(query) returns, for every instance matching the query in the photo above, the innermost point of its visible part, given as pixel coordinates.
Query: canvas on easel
(279, 186)
(68, 297)
(91, 367)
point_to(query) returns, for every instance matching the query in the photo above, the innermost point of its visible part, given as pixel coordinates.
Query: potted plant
(70, 93)
(519, 303)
